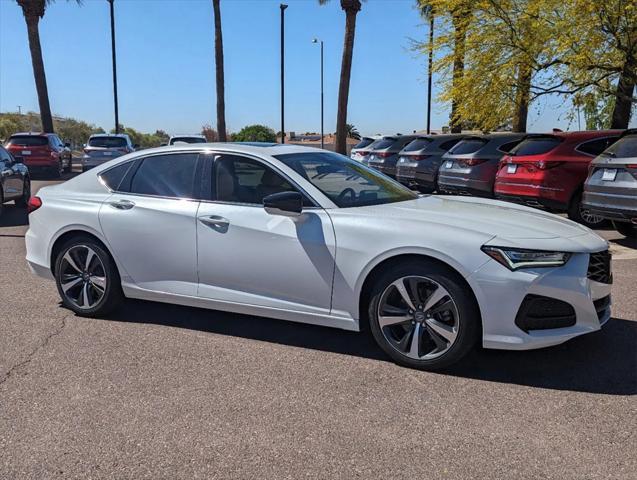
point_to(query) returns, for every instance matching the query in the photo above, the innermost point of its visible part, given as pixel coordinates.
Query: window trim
(211, 158)
(616, 137)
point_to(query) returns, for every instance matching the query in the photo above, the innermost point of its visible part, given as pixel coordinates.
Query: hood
(506, 223)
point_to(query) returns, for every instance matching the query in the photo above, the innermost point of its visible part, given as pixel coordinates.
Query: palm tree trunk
(32, 22)
(624, 94)
(221, 103)
(343, 88)
(522, 95)
(460, 30)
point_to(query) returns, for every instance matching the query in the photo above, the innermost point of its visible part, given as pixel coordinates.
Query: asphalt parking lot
(161, 391)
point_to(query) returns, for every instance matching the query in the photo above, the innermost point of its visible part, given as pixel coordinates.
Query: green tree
(351, 9)
(254, 133)
(352, 132)
(221, 103)
(210, 133)
(33, 11)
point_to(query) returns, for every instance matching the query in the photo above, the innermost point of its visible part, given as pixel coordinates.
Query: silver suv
(103, 147)
(610, 190)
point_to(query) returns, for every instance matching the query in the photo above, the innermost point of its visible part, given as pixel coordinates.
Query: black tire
(56, 172)
(23, 201)
(626, 229)
(69, 167)
(112, 296)
(1, 200)
(468, 318)
(578, 214)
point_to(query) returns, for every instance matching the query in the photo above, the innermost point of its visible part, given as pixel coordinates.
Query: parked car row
(547, 170)
(41, 151)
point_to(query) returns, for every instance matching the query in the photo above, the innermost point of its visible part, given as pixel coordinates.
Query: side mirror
(67, 145)
(284, 203)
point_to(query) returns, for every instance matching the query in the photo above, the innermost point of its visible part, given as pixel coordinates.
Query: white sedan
(311, 236)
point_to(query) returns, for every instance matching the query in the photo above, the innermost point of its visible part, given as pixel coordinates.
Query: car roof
(249, 148)
(577, 135)
(121, 135)
(186, 135)
(32, 134)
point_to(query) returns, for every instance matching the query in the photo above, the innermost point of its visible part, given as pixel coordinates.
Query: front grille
(599, 267)
(543, 313)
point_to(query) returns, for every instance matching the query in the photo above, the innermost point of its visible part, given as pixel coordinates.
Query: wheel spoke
(386, 321)
(441, 307)
(413, 289)
(69, 259)
(85, 301)
(445, 331)
(400, 286)
(71, 283)
(99, 282)
(438, 294)
(414, 346)
(90, 254)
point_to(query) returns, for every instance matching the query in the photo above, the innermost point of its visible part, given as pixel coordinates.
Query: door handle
(215, 221)
(122, 204)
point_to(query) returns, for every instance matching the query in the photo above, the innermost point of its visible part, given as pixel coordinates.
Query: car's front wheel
(626, 229)
(422, 315)
(87, 278)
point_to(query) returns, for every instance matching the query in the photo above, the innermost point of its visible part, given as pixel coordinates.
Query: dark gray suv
(610, 190)
(384, 154)
(419, 161)
(470, 166)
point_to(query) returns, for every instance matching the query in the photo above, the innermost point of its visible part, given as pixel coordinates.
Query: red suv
(548, 171)
(41, 151)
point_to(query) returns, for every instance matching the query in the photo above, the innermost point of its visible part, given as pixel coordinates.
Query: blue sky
(165, 60)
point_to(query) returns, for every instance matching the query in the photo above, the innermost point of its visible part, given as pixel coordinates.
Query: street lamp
(114, 65)
(316, 40)
(282, 6)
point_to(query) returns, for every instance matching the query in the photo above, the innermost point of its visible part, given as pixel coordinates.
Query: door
(150, 222)
(12, 182)
(251, 257)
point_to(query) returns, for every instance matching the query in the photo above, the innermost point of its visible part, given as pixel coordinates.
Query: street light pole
(282, 6)
(322, 136)
(114, 65)
(429, 72)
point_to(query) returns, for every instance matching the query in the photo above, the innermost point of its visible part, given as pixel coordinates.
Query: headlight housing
(516, 258)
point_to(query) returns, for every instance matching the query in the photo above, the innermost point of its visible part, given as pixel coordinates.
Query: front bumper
(501, 293)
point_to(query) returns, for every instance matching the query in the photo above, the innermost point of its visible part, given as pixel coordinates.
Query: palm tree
(352, 131)
(33, 11)
(351, 9)
(427, 12)
(221, 103)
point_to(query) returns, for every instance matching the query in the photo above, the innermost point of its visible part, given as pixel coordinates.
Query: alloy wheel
(418, 317)
(82, 277)
(588, 217)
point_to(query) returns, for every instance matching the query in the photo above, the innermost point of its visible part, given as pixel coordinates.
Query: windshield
(107, 142)
(363, 143)
(383, 143)
(29, 141)
(625, 147)
(535, 146)
(346, 182)
(468, 145)
(187, 140)
(418, 144)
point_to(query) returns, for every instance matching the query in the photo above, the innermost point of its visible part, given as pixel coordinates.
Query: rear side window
(597, 146)
(418, 144)
(535, 146)
(107, 142)
(166, 176)
(625, 147)
(507, 147)
(29, 141)
(468, 145)
(113, 177)
(364, 142)
(384, 143)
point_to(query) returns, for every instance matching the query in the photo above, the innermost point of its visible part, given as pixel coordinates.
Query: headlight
(515, 258)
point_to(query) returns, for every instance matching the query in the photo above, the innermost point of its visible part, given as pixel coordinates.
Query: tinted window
(113, 177)
(166, 176)
(363, 143)
(468, 145)
(507, 147)
(418, 144)
(448, 145)
(243, 180)
(625, 147)
(107, 142)
(29, 140)
(346, 182)
(187, 140)
(383, 143)
(595, 147)
(536, 146)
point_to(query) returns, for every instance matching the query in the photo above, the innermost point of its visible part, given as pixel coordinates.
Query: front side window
(166, 176)
(243, 180)
(346, 182)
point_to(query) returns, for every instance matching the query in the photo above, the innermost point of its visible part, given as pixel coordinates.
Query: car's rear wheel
(1, 200)
(56, 172)
(87, 278)
(26, 194)
(69, 165)
(580, 214)
(422, 315)
(626, 229)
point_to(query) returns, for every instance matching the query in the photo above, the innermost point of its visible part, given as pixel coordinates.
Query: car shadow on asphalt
(13, 216)
(601, 362)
